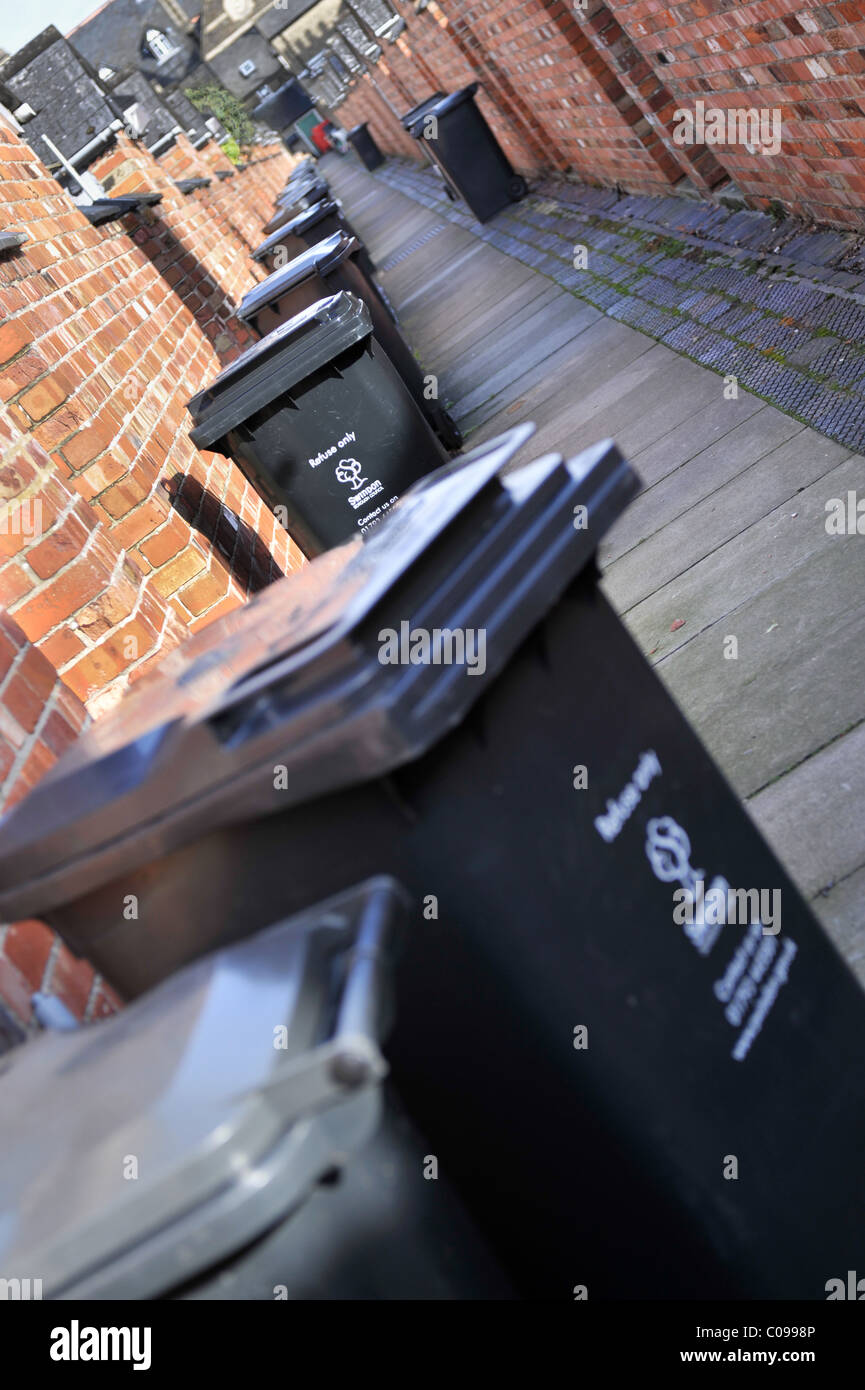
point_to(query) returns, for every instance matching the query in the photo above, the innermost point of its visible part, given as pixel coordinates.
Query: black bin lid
(272, 367)
(296, 227)
(320, 259)
(415, 113)
(439, 108)
(295, 677)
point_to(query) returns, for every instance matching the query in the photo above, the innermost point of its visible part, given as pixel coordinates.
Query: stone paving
(778, 305)
(729, 535)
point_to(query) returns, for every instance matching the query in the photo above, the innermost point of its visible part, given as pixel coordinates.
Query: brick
(62, 597)
(61, 546)
(13, 338)
(28, 946)
(178, 572)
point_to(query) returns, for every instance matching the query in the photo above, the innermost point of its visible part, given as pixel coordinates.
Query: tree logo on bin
(668, 850)
(348, 471)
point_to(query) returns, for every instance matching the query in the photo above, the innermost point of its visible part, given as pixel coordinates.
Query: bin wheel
(517, 187)
(447, 430)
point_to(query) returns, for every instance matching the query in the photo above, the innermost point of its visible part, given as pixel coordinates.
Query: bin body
(325, 270)
(290, 238)
(587, 1065)
(469, 155)
(365, 147)
(332, 444)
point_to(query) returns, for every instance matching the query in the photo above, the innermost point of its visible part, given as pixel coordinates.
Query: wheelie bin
(288, 239)
(320, 422)
(303, 195)
(325, 269)
(365, 147)
(459, 141)
(457, 698)
(231, 1135)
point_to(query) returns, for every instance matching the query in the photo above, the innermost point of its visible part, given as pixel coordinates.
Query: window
(247, 68)
(160, 45)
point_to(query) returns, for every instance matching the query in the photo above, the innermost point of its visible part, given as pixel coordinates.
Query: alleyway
(728, 538)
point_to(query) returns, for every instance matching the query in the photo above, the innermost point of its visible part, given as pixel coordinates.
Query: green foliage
(215, 100)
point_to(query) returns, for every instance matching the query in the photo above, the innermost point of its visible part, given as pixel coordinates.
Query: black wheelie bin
(458, 140)
(231, 1135)
(288, 239)
(365, 147)
(321, 423)
(413, 122)
(631, 1104)
(322, 271)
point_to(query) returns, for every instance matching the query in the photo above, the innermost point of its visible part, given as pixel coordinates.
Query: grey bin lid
(314, 189)
(296, 227)
(230, 1121)
(320, 259)
(295, 678)
(272, 367)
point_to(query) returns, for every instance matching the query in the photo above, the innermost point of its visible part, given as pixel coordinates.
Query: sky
(21, 22)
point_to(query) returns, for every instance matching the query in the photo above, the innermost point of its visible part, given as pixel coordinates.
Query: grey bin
(302, 195)
(141, 1153)
(305, 229)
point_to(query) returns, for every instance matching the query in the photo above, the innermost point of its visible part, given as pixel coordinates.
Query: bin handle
(349, 1059)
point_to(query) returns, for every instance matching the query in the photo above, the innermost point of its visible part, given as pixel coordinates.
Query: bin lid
(455, 99)
(140, 1150)
(274, 365)
(312, 192)
(306, 188)
(320, 259)
(297, 677)
(416, 112)
(296, 227)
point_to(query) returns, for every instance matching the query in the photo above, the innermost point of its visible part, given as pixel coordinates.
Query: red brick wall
(595, 89)
(105, 336)
(806, 60)
(39, 718)
(117, 536)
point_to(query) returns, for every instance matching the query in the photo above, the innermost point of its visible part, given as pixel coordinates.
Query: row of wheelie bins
(385, 865)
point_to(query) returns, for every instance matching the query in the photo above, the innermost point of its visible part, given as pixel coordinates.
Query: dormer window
(160, 45)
